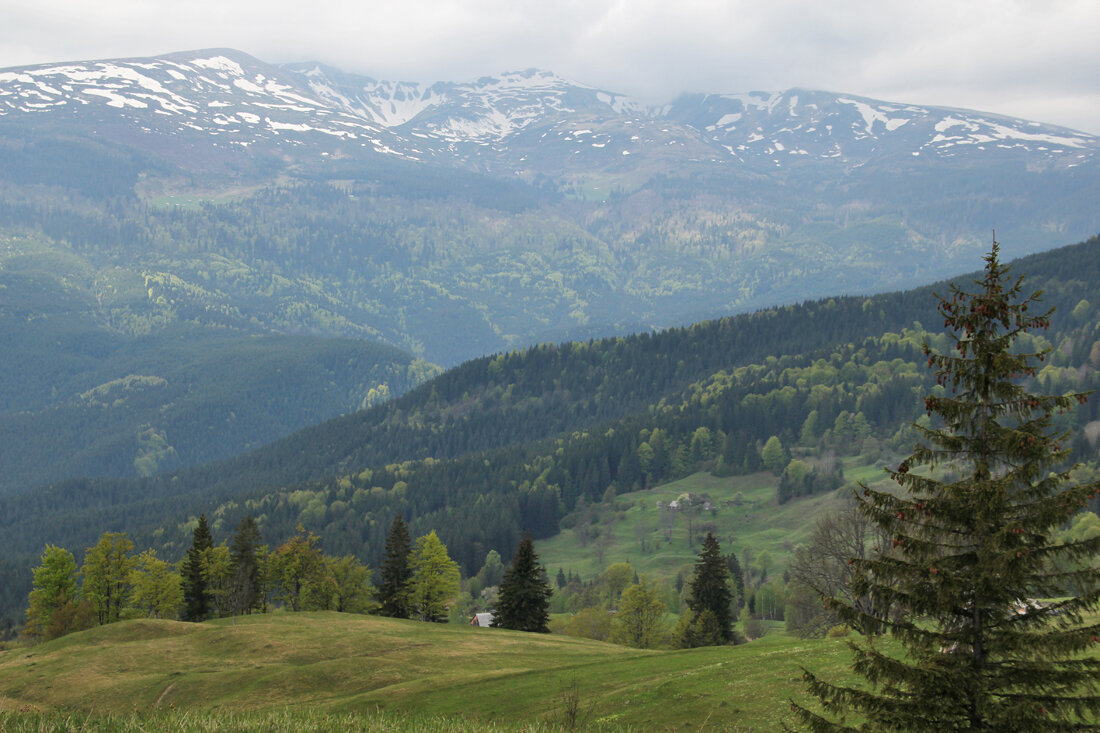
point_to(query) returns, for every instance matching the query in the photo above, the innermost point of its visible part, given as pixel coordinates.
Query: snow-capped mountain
(800, 124)
(224, 96)
(462, 218)
(521, 122)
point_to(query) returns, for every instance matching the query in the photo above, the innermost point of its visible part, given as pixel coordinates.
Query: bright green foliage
(351, 587)
(774, 455)
(974, 544)
(591, 622)
(195, 596)
(702, 444)
(524, 601)
(640, 621)
(808, 434)
(157, 592)
(492, 572)
(393, 593)
(697, 630)
(299, 573)
(434, 583)
(710, 588)
(617, 578)
(106, 576)
(54, 588)
(217, 575)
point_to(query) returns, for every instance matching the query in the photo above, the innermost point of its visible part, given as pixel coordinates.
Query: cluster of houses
(686, 500)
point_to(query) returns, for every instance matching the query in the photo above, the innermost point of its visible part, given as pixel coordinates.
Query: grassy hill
(657, 543)
(335, 664)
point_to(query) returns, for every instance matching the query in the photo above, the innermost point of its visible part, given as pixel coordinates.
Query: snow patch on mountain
(872, 115)
(504, 120)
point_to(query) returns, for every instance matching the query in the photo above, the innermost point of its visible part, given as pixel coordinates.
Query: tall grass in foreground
(284, 721)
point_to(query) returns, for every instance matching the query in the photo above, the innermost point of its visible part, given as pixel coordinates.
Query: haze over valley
(288, 294)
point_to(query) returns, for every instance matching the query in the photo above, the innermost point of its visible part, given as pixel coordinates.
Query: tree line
(418, 580)
(514, 441)
(241, 577)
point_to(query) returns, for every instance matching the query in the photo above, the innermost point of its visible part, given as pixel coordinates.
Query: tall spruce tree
(710, 588)
(974, 542)
(524, 600)
(246, 590)
(396, 574)
(196, 598)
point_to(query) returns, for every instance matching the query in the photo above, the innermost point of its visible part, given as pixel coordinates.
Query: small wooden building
(482, 619)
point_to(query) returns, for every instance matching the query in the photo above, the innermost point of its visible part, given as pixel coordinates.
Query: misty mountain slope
(98, 383)
(525, 404)
(209, 193)
(710, 204)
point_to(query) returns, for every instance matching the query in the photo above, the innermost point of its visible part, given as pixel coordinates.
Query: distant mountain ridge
(455, 219)
(238, 100)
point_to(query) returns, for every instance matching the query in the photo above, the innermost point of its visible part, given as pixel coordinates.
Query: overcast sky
(1037, 59)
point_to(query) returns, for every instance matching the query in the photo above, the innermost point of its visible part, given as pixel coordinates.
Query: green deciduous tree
(352, 587)
(196, 599)
(640, 620)
(697, 630)
(299, 573)
(157, 590)
(612, 582)
(435, 578)
(217, 577)
(393, 592)
(492, 572)
(774, 455)
(106, 576)
(524, 601)
(710, 587)
(591, 622)
(53, 595)
(973, 541)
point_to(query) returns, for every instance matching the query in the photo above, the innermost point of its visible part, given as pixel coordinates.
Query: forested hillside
(517, 440)
(97, 384)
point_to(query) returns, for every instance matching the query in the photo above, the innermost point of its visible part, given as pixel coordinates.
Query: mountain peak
(530, 120)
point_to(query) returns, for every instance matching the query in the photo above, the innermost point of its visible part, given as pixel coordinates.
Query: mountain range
(638, 215)
(519, 123)
(210, 265)
(209, 198)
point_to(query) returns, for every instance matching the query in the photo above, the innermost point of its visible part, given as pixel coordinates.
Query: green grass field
(328, 671)
(756, 522)
(315, 669)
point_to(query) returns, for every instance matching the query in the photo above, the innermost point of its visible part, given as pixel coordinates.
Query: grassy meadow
(311, 671)
(746, 515)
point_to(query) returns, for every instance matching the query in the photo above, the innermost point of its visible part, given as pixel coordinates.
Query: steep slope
(455, 219)
(101, 380)
(199, 110)
(516, 440)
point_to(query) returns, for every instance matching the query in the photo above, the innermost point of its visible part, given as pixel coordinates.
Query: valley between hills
(510, 308)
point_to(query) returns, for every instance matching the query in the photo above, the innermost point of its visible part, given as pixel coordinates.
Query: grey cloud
(1018, 57)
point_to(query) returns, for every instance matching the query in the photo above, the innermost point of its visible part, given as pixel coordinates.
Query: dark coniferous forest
(517, 441)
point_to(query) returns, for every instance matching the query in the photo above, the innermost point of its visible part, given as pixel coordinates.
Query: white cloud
(1030, 58)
